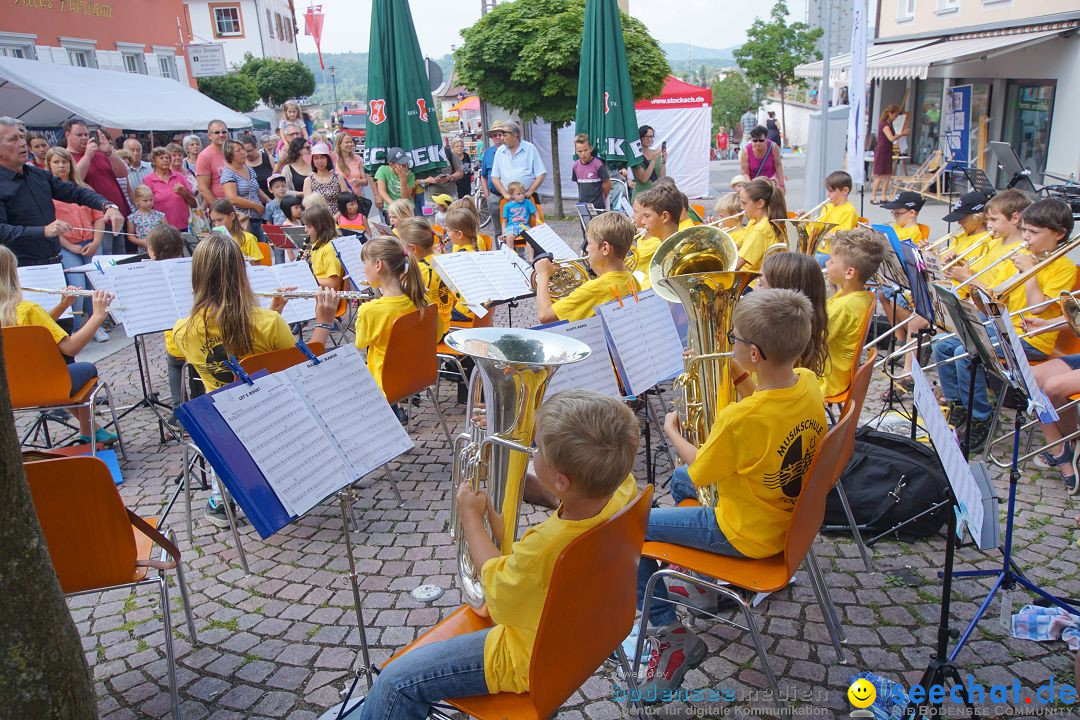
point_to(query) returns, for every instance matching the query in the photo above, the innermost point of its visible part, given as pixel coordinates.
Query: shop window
(926, 133)
(1029, 106)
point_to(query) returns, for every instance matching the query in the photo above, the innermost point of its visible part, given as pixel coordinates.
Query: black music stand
(1009, 163)
(979, 181)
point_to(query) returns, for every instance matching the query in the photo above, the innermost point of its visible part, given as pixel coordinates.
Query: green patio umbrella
(400, 111)
(605, 101)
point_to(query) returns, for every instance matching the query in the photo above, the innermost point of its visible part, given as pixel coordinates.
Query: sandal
(1047, 459)
(898, 389)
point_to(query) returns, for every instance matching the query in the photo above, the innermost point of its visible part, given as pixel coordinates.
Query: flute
(68, 292)
(311, 294)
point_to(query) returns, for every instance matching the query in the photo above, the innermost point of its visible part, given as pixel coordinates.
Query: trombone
(1007, 256)
(960, 258)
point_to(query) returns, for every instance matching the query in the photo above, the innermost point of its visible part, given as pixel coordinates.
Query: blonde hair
(416, 231)
(141, 191)
(860, 249)
(612, 228)
(777, 321)
(291, 105)
(401, 209)
(463, 221)
(514, 187)
(342, 162)
(728, 204)
(1008, 203)
(590, 438)
(223, 296)
(314, 200)
(73, 170)
(467, 204)
(10, 290)
(397, 261)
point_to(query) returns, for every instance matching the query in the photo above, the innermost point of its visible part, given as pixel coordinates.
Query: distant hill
(350, 75)
(718, 57)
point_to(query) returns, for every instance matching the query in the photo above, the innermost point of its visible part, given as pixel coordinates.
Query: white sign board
(207, 60)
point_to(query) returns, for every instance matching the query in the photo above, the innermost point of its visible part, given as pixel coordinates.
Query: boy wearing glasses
(757, 455)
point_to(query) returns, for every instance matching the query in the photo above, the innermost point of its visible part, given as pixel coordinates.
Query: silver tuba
(695, 267)
(513, 368)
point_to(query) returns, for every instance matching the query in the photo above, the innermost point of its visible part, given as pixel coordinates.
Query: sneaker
(102, 436)
(700, 601)
(980, 433)
(1047, 459)
(1071, 485)
(629, 645)
(955, 413)
(100, 335)
(672, 653)
(215, 513)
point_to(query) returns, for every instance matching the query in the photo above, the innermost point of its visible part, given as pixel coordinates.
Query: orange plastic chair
(589, 608)
(38, 380)
(860, 385)
(97, 544)
(485, 243)
(410, 366)
(861, 221)
(924, 230)
(277, 360)
(267, 254)
(765, 574)
(841, 397)
(533, 221)
(446, 353)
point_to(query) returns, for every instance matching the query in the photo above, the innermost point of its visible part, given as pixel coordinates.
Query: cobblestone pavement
(282, 641)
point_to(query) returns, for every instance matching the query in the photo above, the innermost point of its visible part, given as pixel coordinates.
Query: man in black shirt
(28, 224)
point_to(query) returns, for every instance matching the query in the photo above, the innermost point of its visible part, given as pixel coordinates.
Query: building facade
(136, 36)
(264, 28)
(840, 21)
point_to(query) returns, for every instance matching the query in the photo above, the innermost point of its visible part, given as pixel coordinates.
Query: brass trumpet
(797, 236)
(961, 257)
(1007, 256)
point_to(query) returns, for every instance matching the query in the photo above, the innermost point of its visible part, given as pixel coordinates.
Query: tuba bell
(695, 267)
(513, 368)
(799, 236)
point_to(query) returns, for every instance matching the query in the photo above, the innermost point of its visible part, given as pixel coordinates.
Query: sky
(706, 23)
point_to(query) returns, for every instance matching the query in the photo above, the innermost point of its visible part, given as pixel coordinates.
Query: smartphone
(663, 145)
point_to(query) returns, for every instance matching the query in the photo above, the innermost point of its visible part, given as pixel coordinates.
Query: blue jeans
(956, 376)
(81, 373)
(688, 526)
(407, 687)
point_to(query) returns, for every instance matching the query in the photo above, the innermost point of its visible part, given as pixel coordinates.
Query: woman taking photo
(883, 153)
(655, 165)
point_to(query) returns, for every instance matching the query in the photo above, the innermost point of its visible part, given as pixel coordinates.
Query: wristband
(740, 379)
(543, 256)
(324, 326)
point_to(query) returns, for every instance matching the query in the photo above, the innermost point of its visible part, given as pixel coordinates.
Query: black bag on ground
(889, 479)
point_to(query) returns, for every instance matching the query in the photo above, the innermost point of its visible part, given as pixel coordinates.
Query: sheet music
(102, 260)
(658, 327)
(594, 372)
(353, 410)
(297, 274)
(643, 341)
(1037, 398)
(178, 273)
(99, 280)
(625, 207)
(302, 472)
(348, 251)
(143, 289)
(550, 241)
(481, 277)
(964, 487)
(45, 277)
(511, 279)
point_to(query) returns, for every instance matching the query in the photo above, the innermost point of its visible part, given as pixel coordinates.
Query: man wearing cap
(517, 161)
(394, 179)
(491, 193)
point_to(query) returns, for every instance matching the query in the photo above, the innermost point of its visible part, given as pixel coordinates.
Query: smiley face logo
(862, 693)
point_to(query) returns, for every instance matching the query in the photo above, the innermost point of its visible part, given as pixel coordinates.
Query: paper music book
(549, 241)
(44, 277)
(268, 278)
(102, 260)
(348, 249)
(100, 280)
(594, 372)
(154, 294)
(340, 429)
(481, 277)
(643, 340)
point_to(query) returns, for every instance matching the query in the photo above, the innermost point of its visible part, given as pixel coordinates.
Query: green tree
(525, 55)
(278, 80)
(774, 48)
(236, 91)
(730, 98)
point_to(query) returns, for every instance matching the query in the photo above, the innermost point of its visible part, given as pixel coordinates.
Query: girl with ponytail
(764, 205)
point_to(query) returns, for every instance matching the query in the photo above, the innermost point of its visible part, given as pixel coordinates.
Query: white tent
(40, 93)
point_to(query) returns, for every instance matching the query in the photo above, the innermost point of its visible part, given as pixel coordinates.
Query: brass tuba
(513, 368)
(695, 267)
(799, 236)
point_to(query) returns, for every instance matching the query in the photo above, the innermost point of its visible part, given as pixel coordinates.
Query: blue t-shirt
(273, 213)
(518, 213)
(485, 166)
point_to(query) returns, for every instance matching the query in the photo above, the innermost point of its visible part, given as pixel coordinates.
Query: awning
(40, 93)
(913, 59)
(470, 103)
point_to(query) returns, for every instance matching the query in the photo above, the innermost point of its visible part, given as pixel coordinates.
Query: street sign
(207, 60)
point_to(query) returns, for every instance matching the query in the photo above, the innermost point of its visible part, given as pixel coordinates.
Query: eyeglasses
(733, 338)
(218, 132)
(757, 140)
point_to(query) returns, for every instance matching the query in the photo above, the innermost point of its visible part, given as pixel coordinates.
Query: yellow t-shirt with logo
(200, 344)
(1057, 277)
(996, 249)
(582, 302)
(373, 323)
(756, 239)
(846, 313)
(845, 216)
(912, 233)
(757, 455)
(516, 587)
(249, 245)
(438, 293)
(325, 263)
(30, 313)
(646, 248)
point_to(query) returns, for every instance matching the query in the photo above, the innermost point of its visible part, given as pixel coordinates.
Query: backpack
(889, 479)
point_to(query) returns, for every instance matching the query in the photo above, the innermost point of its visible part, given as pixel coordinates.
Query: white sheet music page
(296, 274)
(594, 372)
(263, 280)
(178, 272)
(629, 346)
(101, 281)
(343, 394)
(952, 459)
(348, 251)
(658, 326)
(285, 440)
(143, 289)
(465, 276)
(507, 275)
(1038, 399)
(44, 277)
(548, 239)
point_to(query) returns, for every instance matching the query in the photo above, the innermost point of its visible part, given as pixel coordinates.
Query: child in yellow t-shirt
(484, 242)
(586, 446)
(461, 230)
(658, 209)
(969, 212)
(687, 218)
(1003, 220)
(419, 240)
(14, 311)
(838, 210)
(764, 204)
(756, 457)
(223, 214)
(728, 210)
(325, 264)
(856, 256)
(607, 240)
(905, 211)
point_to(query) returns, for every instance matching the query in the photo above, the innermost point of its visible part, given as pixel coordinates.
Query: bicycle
(480, 201)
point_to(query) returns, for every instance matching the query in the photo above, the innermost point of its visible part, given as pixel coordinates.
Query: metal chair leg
(633, 695)
(226, 500)
(994, 423)
(856, 534)
(821, 593)
(187, 494)
(181, 582)
(393, 482)
(438, 411)
(115, 421)
(166, 617)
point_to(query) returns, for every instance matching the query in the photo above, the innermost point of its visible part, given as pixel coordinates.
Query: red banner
(313, 24)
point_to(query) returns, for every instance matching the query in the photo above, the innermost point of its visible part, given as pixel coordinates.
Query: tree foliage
(524, 56)
(236, 91)
(278, 80)
(731, 96)
(774, 48)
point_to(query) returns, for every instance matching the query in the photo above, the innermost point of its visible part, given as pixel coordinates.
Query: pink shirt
(166, 200)
(77, 216)
(210, 162)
